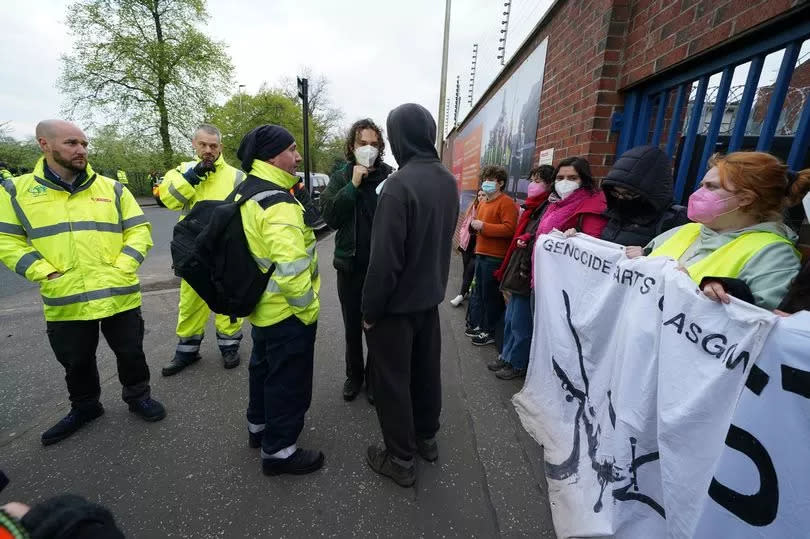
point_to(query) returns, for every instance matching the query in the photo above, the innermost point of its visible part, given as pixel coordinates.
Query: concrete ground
(193, 475)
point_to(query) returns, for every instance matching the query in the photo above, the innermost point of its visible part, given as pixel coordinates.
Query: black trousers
(468, 262)
(280, 381)
(74, 343)
(350, 293)
(407, 378)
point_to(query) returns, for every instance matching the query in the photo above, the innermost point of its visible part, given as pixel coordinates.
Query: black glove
(197, 174)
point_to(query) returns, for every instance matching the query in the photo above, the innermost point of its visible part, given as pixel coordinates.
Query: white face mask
(366, 155)
(806, 204)
(565, 187)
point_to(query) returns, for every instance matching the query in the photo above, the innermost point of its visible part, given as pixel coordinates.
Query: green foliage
(19, 153)
(144, 63)
(242, 112)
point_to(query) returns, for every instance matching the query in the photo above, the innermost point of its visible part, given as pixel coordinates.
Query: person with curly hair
(348, 205)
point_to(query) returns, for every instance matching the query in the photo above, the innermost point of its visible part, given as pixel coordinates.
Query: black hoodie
(411, 240)
(646, 171)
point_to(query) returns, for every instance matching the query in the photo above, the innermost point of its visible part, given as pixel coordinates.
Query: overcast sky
(376, 55)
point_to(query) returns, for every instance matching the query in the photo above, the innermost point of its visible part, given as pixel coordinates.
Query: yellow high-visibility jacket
(177, 194)
(276, 234)
(122, 177)
(96, 237)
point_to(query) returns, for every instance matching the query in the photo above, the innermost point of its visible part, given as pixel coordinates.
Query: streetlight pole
(240, 100)
(303, 93)
(443, 86)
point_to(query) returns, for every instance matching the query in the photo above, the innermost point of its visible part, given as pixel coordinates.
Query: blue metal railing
(650, 102)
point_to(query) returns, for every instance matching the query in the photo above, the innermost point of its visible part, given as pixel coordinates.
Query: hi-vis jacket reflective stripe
(727, 261)
(177, 194)
(276, 235)
(96, 237)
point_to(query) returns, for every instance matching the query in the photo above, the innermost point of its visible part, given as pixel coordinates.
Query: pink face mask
(705, 206)
(536, 189)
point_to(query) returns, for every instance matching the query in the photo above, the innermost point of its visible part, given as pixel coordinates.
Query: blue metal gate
(754, 97)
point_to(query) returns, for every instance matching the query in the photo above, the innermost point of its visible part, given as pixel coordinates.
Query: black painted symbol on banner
(606, 470)
(761, 508)
(756, 509)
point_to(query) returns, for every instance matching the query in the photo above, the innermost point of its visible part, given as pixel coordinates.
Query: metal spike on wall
(504, 31)
(472, 73)
(447, 117)
(458, 99)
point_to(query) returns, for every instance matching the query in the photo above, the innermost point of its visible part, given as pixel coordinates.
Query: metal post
(443, 84)
(240, 101)
(303, 93)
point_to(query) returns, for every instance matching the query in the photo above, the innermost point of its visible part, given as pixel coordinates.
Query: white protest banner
(623, 354)
(761, 485)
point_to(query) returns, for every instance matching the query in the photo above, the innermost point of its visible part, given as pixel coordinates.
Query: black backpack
(210, 251)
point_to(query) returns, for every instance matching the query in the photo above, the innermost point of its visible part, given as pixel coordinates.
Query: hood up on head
(412, 133)
(645, 170)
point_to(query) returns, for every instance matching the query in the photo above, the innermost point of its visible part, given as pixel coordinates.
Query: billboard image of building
(504, 130)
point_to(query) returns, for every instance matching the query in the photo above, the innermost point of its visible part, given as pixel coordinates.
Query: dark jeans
(280, 381)
(490, 297)
(350, 293)
(407, 378)
(517, 331)
(74, 342)
(468, 262)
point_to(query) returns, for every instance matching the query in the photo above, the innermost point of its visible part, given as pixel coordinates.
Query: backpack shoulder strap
(250, 188)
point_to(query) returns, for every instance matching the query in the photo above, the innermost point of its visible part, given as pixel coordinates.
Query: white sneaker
(456, 301)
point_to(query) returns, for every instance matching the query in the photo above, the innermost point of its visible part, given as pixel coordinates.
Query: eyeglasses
(624, 195)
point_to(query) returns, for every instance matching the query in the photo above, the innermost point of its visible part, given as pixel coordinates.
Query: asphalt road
(193, 475)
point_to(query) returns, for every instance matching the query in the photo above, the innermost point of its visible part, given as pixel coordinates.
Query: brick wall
(581, 81)
(662, 33)
(597, 47)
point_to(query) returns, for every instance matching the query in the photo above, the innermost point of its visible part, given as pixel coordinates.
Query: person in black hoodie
(411, 244)
(348, 204)
(638, 190)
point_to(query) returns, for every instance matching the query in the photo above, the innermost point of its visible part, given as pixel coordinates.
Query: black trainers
(483, 339)
(351, 388)
(428, 449)
(178, 363)
(472, 332)
(148, 409)
(230, 359)
(72, 422)
(497, 365)
(303, 461)
(381, 462)
(510, 373)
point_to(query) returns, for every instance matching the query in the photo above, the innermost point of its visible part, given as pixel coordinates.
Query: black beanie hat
(263, 143)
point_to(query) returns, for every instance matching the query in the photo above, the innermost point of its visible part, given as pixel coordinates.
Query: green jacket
(338, 203)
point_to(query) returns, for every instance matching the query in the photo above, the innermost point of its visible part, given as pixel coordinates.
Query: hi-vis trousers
(191, 320)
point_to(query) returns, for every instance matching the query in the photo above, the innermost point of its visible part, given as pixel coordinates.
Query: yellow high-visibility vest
(727, 261)
(96, 237)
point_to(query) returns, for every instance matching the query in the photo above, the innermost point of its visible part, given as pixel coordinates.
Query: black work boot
(381, 461)
(230, 359)
(303, 461)
(148, 409)
(428, 449)
(351, 388)
(178, 363)
(76, 419)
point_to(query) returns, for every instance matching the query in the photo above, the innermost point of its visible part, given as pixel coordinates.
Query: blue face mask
(489, 187)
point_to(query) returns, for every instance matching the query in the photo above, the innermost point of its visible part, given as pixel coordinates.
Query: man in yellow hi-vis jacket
(82, 237)
(285, 320)
(208, 177)
(122, 176)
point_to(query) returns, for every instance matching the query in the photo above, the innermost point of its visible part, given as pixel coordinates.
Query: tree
(325, 129)
(144, 63)
(19, 153)
(243, 112)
